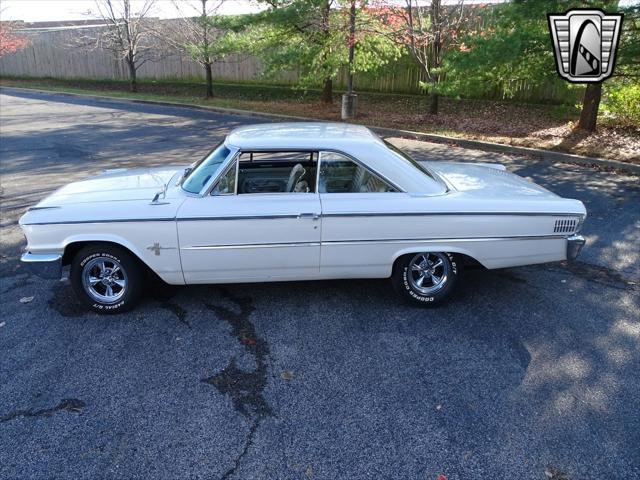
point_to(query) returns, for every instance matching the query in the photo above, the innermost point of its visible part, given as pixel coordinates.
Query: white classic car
(296, 201)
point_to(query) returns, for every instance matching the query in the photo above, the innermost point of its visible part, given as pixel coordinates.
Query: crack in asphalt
(72, 405)
(253, 427)
(245, 388)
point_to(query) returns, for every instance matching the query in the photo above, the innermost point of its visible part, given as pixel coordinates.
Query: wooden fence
(49, 54)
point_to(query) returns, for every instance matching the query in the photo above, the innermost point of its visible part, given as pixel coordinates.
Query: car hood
(114, 195)
(488, 181)
(113, 185)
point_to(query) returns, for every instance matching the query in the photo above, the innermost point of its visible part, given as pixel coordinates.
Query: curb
(548, 155)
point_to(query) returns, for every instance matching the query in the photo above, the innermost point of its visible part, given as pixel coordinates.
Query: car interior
(296, 172)
(277, 172)
(339, 174)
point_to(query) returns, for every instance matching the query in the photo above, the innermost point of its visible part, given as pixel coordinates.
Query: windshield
(205, 169)
(408, 158)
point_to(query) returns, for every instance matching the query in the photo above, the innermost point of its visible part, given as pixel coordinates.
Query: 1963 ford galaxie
(296, 201)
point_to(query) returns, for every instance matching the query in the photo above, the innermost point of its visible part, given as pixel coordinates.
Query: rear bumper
(574, 245)
(44, 265)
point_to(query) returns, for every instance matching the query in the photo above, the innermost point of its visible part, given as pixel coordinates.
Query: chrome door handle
(312, 216)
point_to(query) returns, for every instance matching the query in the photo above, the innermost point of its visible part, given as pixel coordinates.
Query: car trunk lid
(485, 180)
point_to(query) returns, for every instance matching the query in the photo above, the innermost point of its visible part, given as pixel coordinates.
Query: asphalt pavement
(528, 373)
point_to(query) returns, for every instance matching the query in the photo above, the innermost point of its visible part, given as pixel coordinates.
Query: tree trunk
(436, 51)
(327, 90)
(207, 69)
(433, 103)
(590, 105)
(133, 85)
(327, 87)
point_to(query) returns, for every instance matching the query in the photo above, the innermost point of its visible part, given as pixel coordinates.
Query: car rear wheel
(106, 278)
(426, 278)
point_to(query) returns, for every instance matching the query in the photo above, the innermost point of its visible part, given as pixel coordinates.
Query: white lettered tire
(426, 278)
(106, 278)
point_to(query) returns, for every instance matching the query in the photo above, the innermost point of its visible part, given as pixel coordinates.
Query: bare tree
(125, 33)
(428, 29)
(195, 34)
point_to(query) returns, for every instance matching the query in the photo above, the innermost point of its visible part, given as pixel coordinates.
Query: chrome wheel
(104, 279)
(428, 272)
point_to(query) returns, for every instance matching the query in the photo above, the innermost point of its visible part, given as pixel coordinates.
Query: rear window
(412, 161)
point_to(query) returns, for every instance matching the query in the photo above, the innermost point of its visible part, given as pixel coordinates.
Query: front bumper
(574, 245)
(48, 265)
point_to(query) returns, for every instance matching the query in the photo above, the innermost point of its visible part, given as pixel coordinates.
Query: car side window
(340, 174)
(277, 172)
(226, 185)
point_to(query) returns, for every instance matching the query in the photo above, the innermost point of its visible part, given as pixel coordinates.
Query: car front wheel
(426, 278)
(106, 278)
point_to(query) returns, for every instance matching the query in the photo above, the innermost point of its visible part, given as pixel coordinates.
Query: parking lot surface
(528, 373)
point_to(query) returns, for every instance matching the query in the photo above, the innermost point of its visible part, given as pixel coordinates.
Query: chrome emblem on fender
(155, 248)
(585, 44)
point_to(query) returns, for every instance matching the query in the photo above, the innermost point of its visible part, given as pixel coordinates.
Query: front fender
(154, 243)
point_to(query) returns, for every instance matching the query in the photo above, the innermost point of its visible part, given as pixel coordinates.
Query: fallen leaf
(2, 324)
(287, 375)
(438, 407)
(442, 477)
(26, 299)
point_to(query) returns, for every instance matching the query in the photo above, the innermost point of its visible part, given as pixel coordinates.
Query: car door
(260, 222)
(356, 233)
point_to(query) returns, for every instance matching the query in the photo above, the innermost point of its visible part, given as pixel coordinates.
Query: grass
(538, 126)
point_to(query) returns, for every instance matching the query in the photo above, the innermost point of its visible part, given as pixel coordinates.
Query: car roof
(355, 140)
(300, 135)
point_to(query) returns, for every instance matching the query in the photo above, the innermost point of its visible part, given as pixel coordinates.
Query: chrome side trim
(252, 245)
(238, 217)
(119, 220)
(427, 214)
(44, 265)
(32, 209)
(374, 214)
(369, 241)
(444, 239)
(336, 215)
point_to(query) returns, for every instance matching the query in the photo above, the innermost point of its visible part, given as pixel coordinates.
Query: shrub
(621, 104)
